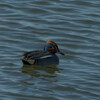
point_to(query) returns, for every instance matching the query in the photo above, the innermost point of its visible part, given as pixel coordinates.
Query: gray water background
(74, 25)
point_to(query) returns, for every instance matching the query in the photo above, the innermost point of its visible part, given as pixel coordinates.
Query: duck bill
(60, 52)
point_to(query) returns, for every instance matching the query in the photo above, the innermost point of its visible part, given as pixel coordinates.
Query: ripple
(27, 25)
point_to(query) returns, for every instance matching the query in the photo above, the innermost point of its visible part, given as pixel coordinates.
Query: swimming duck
(47, 56)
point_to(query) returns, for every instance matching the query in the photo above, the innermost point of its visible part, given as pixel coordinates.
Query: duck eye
(51, 47)
(48, 46)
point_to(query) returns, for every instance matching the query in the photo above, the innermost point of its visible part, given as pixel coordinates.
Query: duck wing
(36, 55)
(32, 56)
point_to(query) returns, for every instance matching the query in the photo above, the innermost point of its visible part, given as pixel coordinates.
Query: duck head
(52, 47)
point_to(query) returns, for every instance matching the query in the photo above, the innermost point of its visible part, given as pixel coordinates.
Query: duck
(47, 56)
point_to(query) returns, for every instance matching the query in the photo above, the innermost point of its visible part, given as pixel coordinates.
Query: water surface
(74, 25)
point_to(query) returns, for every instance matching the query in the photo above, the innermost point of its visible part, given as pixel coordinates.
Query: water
(74, 25)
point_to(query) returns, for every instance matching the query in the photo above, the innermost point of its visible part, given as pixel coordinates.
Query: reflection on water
(74, 25)
(37, 70)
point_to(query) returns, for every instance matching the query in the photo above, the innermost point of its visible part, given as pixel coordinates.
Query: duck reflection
(38, 71)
